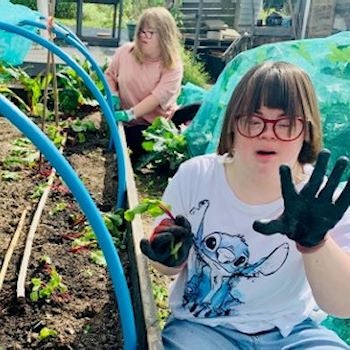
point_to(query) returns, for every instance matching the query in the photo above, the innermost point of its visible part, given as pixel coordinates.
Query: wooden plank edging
(151, 323)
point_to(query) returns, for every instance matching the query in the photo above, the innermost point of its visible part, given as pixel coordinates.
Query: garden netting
(13, 47)
(326, 60)
(191, 93)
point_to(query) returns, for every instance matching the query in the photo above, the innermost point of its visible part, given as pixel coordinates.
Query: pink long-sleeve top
(134, 82)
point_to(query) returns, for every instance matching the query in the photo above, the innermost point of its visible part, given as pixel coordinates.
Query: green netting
(340, 326)
(191, 93)
(327, 61)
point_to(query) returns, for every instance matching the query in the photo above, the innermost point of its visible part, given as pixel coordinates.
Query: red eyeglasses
(285, 129)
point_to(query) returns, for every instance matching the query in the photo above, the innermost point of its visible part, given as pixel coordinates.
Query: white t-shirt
(236, 277)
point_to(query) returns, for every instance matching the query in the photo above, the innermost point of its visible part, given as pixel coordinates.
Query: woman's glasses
(285, 129)
(148, 34)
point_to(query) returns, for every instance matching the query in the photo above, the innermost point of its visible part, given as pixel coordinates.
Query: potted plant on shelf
(133, 12)
(131, 26)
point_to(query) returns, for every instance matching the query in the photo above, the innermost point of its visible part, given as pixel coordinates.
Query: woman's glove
(116, 102)
(124, 115)
(310, 214)
(170, 242)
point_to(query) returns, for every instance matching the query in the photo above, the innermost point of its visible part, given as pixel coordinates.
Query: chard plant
(98, 258)
(115, 225)
(73, 92)
(51, 286)
(22, 154)
(86, 240)
(55, 135)
(34, 88)
(160, 295)
(7, 92)
(165, 145)
(38, 191)
(9, 175)
(81, 128)
(151, 206)
(58, 208)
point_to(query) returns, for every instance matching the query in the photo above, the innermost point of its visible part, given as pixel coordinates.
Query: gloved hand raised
(124, 115)
(309, 215)
(170, 242)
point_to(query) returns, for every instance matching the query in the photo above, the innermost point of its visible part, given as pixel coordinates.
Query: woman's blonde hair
(279, 85)
(164, 24)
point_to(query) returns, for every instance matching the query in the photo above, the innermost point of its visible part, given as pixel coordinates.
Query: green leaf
(46, 332)
(9, 176)
(129, 215)
(98, 258)
(34, 296)
(149, 206)
(148, 145)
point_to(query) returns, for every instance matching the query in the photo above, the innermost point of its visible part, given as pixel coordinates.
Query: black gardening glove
(308, 216)
(170, 242)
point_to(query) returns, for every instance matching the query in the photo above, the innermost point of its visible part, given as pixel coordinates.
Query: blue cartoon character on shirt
(222, 260)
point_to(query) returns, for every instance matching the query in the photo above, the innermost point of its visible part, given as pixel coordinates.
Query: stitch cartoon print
(222, 260)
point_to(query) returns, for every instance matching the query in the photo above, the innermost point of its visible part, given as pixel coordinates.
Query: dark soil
(85, 316)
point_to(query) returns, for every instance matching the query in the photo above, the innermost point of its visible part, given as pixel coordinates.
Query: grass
(94, 16)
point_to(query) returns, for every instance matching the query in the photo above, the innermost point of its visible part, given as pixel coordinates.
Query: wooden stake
(11, 247)
(30, 238)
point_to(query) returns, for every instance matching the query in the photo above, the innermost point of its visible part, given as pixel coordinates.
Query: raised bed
(84, 316)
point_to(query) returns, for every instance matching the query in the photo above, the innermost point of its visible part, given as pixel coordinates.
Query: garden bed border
(147, 323)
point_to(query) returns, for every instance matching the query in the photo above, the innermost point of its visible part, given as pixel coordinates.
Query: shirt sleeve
(169, 86)
(112, 71)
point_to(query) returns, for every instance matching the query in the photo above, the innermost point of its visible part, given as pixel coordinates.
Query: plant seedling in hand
(151, 206)
(171, 240)
(311, 213)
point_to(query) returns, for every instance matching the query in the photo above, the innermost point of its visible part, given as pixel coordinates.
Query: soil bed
(84, 316)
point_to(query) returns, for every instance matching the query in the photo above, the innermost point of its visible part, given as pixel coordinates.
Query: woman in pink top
(146, 75)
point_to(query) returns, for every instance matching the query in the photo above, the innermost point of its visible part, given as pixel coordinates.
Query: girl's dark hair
(279, 85)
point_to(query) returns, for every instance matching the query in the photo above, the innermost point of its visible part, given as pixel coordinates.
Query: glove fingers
(178, 232)
(147, 250)
(311, 188)
(180, 220)
(287, 187)
(162, 242)
(333, 181)
(268, 228)
(154, 251)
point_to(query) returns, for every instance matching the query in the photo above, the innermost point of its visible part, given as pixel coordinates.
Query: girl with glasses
(146, 75)
(262, 237)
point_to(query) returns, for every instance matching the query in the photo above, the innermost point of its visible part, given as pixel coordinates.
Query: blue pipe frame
(69, 37)
(107, 108)
(89, 208)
